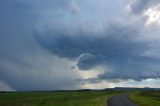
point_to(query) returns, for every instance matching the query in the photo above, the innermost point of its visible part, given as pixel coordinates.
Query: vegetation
(146, 98)
(79, 98)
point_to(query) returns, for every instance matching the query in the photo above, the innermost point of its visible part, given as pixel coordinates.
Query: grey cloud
(38, 72)
(74, 9)
(116, 48)
(140, 6)
(116, 41)
(115, 45)
(88, 61)
(24, 65)
(137, 68)
(99, 80)
(130, 72)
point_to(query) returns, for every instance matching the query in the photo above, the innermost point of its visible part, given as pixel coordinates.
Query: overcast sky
(76, 44)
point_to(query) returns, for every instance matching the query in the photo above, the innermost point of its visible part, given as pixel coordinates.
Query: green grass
(146, 98)
(87, 98)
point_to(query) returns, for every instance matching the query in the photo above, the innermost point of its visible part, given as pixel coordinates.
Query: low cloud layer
(45, 45)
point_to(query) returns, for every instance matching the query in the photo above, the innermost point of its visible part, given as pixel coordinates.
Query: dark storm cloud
(137, 68)
(116, 48)
(88, 61)
(114, 42)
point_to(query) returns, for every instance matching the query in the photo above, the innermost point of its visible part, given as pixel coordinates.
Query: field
(85, 98)
(146, 98)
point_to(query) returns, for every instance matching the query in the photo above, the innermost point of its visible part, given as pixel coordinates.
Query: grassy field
(87, 98)
(146, 98)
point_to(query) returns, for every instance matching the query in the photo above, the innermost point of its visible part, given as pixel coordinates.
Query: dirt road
(120, 100)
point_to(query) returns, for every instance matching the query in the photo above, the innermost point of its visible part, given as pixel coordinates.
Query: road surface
(120, 100)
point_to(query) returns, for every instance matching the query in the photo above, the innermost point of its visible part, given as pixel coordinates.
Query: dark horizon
(104, 89)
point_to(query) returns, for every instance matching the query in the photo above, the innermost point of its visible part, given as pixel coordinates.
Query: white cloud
(153, 15)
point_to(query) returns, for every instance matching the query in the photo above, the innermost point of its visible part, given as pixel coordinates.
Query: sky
(79, 44)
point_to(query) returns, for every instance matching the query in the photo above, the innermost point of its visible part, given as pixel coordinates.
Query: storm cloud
(24, 65)
(115, 45)
(46, 45)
